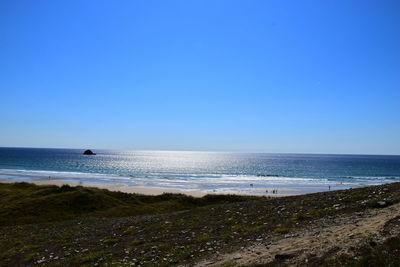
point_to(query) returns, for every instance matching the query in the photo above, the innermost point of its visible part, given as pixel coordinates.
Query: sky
(216, 75)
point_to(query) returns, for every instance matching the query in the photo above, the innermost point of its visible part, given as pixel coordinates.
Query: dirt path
(325, 236)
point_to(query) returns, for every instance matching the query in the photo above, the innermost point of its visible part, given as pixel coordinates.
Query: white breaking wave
(219, 183)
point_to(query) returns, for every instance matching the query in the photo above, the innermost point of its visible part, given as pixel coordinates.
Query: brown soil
(325, 238)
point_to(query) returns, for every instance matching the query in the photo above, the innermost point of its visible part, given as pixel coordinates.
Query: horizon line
(210, 151)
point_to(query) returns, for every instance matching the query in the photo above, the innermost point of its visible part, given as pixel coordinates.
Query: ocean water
(246, 173)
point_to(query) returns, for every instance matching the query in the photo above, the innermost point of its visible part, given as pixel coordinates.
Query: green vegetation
(282, 230)
(76, 226)
(25, 203)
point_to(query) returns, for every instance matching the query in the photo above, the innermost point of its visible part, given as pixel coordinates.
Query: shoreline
(117, 187)
(246, 185)
(152, 190)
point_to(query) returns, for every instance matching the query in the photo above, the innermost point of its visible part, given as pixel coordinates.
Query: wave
(59, 175)
(192, 181)
(389, 177)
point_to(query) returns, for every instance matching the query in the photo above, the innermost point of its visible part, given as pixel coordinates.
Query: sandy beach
(117, 187)
(195, 173)
(147, 190)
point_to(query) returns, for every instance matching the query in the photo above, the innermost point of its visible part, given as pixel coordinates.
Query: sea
(209, 172)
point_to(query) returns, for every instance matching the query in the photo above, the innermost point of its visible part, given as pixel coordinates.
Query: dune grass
(78, 226)
(25, 203)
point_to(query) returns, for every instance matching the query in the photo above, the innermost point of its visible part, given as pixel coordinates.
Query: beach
(119, 187)
(198, 173)
(200, 133)
(116, 187)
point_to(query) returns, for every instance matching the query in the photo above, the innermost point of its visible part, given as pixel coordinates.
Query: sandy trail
(325, 236)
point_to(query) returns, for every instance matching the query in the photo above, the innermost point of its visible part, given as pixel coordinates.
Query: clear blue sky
(225, 75)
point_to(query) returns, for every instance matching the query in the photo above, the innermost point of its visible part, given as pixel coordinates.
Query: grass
(88, 226)
(282, 230)
(25, 203)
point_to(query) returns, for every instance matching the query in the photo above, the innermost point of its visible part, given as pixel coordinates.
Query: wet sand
(160, 190)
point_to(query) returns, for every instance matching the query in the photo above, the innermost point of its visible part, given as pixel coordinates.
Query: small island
(88, 152)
